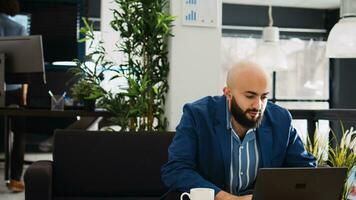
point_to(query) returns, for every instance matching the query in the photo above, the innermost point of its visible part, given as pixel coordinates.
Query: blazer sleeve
(297, 156)
(180, 172)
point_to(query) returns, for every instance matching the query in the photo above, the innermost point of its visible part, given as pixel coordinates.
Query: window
(109, 85)
(306, 83)
(307, 77)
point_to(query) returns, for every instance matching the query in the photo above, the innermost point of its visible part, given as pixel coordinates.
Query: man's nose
(257, 104)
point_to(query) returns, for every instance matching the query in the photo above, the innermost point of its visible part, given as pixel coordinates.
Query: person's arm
(24, 91)
(179, 173)
(22, 30)
(297, 156)
(222, 195)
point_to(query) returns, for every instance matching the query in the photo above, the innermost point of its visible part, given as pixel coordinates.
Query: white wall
(194, 63)
(109, 36)
(194, 59)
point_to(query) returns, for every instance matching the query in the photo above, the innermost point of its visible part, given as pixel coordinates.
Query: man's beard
(241, 116)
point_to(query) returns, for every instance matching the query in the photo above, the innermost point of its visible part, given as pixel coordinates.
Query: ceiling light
(269, 54)
(342, 37)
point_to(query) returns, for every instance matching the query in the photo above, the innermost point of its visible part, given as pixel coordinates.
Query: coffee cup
(199, 194)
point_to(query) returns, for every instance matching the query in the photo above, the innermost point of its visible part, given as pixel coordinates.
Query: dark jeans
(18, 128)
(18, 148)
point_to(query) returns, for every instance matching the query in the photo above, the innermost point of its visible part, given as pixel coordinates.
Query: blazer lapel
(223, 134)
(265, 141)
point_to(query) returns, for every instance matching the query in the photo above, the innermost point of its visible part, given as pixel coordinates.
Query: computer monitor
(23, 59)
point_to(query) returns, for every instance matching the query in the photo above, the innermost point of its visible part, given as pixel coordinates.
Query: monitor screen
(23, 59)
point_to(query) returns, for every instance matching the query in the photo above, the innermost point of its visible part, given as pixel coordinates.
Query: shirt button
(241, 147)
(241, 173)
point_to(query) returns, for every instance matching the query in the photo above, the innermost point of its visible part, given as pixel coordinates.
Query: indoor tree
(144, 27)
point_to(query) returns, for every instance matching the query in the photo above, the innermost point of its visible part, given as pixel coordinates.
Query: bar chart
(199, 13)
(192, 2)
(192, 16)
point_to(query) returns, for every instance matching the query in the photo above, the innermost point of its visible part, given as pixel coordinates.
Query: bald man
(222, 141)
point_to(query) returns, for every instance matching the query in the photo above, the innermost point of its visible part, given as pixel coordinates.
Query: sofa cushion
(109, 164)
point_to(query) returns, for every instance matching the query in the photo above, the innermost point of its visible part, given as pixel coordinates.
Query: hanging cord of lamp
(269, 53)
(270, 14)
(270, 33)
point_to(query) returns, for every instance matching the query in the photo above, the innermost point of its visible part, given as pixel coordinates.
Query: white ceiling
(320, 4)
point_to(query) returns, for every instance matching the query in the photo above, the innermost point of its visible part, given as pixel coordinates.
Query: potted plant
(87, 93)
(144, 27)
(89, 74)
(87, 89)
(343, 154)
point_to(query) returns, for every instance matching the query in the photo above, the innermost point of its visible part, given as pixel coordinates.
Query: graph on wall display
(192, 16)
(199, 13)
(193, 2)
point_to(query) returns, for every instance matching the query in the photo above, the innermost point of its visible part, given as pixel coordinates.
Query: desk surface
(49, 113)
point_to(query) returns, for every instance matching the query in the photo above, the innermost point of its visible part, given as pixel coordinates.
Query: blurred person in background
(15, 95)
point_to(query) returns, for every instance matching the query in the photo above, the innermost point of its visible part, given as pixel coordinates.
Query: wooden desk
(85, 120)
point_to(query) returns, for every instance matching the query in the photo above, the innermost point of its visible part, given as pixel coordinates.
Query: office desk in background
(85, 120)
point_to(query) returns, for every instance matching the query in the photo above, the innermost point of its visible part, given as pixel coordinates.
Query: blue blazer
(199, 155)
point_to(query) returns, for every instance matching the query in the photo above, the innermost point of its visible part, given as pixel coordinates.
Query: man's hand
(222, 195)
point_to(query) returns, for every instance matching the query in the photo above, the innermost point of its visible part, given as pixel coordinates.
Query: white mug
(199, 194)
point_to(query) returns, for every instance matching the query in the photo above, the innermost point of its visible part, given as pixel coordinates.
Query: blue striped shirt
(245, 160)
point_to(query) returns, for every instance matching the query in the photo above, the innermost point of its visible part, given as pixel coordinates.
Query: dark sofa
(100, 165)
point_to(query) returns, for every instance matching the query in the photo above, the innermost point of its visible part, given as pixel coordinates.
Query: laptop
(299, 183)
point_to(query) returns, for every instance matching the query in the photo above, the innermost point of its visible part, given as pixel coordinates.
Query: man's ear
(227, 92)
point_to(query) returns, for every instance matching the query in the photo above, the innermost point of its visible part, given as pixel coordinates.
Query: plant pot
(89, 104)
